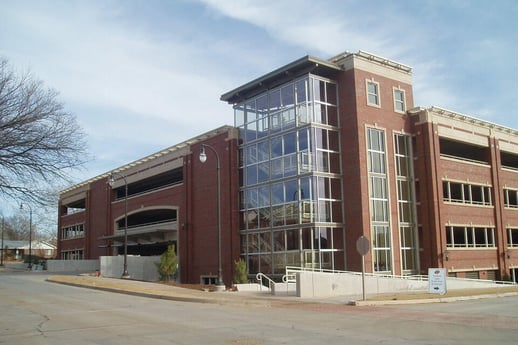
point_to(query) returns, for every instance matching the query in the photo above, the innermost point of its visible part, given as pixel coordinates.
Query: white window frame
(397, 101)
(510, 243)
(377, 94)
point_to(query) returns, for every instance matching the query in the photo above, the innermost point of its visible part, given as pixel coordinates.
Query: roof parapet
(372, 57)
(435, 110)
(152, 156)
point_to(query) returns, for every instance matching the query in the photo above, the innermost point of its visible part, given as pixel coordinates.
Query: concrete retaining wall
(318, 284)
(139, 267)
(80, 266)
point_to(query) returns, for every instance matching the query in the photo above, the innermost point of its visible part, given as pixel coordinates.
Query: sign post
(437, 280)
(363, 246)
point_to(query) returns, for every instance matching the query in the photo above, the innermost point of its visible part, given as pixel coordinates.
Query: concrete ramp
(310, 284)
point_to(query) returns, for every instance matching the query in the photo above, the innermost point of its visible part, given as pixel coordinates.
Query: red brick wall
(355, 117)
(196, 201)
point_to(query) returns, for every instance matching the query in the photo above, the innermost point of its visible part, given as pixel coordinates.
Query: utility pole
(2, 255)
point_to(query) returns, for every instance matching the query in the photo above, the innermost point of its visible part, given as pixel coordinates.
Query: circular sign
(363, 245)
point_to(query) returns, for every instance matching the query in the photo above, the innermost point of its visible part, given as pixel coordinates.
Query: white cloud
(455, 48)
(149, 82)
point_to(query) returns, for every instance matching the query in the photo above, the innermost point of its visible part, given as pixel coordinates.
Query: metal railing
(264, 280)
(291, 272)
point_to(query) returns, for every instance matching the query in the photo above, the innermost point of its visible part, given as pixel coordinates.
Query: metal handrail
(259, 277)
(291, 271)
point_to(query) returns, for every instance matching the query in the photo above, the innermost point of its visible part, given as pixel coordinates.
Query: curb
(229, 298)
(432, 300)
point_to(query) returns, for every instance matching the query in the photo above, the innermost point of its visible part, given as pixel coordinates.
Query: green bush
(168, 264)
(241, 274)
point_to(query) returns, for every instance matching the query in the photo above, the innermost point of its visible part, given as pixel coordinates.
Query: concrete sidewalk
(265, 299)
(171, 292)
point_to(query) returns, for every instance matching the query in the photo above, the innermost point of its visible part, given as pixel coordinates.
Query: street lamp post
(111, 181)
(203, 159)
(30, 234)
(2, 249)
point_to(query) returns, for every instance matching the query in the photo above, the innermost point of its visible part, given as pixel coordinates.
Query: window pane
(264, 217)
(277, 168)
(279, 241)
(378, 188)
(319, 91)
(239, 116)
(292, 239)
(459, 239)
(275, 100)
(264, 195)
(263, 151)
(277, 193)
(399, 100)
(251, 174)
(251, 115)
(372, 93)
(301, 86)
(290, 165)
(263, 172)
(276, 147)
(251, 131)
(291, 190)
(331, 93)
(305, 188)
(332, 116)
(404, 190)
(251, 154)
(290, 143)
(278, 215)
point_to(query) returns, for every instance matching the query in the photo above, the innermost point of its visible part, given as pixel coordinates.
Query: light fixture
(30, 235)
(111, 182)
(203, 155)
(203, 158)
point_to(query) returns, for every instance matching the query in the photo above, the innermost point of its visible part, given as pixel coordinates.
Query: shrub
(168, 264)
(241, 274)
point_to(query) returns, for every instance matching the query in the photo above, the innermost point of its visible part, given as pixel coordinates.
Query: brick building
(322, 152)
(171, 199)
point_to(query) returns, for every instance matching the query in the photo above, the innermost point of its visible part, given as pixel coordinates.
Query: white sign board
(437, 280)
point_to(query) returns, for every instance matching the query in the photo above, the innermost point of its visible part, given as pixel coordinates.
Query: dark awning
(307, 64)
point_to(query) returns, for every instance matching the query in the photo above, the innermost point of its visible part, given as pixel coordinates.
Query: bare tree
(40, 142)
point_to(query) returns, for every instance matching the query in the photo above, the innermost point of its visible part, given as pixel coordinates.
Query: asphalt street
(34, 311)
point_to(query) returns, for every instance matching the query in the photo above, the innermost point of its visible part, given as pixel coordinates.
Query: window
(512, 237)
(373, 97)
(463, 151)
(408, 249)
(465, 193)
(73, 231)
(405, 197)
(510, 198)
(399, 101)
(381, 249)
(75, 254)
(378, 195)
(470, 237)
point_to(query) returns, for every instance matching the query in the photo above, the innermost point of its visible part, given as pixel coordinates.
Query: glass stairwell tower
(291, 211)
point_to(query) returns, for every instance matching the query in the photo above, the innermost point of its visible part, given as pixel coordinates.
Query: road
(33, 311)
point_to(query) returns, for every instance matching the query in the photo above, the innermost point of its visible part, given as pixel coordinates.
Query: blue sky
(144, 75)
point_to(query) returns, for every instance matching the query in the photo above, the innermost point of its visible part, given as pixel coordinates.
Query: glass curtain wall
(291, 189)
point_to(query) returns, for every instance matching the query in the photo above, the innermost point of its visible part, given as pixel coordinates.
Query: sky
(143, 75)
